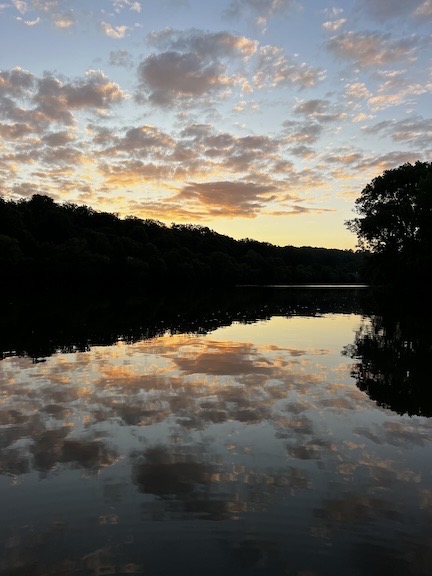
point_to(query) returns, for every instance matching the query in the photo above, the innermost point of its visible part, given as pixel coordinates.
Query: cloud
(295, 132)
(319, 110)
(119, 5)
(424, 10)
(362, 117)
(55, 100)
(15, 131)
(63, 21)
(374, 48)
(208, 44)
(384, 10)
(58, 138)
(48, 6)
(333, 25)
(388, 161)
(21, 6)
(195, 65)
(297, 210)
(120, 58)
(396, 89)
(62, 156)
(357, 91)
(33, 115)
(144, 141)
(239, 154)
(260, 10)
(344, 156)
(29, 23)
(303, 151)
(51, 99)
(198, 152)
(192, 65)
(228, 198)
(56, 12)
(133, 172)
(274, 69)
(16, 82)
(115, 32)
(93, 91)
(415, 131)
(172, 76)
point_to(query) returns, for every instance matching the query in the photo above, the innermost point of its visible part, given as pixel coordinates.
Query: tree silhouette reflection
(394, 350)
(41, 326)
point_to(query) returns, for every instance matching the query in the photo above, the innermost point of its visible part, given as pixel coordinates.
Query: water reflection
(394, 350)
(41, 327)
(248, 449)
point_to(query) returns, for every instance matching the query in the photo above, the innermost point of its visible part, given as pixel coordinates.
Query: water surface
(251, 447)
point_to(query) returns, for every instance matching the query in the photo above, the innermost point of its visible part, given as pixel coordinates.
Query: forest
(47, 245)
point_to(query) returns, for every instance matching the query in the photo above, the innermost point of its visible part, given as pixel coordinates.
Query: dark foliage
(42, 324)
(395, 225)
(47, 245)
(393, 353)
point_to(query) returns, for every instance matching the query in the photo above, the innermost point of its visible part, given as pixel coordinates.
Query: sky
(260, 119)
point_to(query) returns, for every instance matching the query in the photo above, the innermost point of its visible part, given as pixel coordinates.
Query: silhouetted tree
(395, 223)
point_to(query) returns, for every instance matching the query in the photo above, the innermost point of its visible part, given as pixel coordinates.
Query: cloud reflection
(236, 427)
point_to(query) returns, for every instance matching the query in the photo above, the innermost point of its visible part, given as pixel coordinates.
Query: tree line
(394, 226)
(48, 245)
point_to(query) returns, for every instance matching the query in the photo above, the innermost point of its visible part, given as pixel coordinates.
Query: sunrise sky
(261, 119)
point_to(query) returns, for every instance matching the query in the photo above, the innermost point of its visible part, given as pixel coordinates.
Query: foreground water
(275, 446)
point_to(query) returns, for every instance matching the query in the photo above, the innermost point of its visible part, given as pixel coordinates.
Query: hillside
(48, 245)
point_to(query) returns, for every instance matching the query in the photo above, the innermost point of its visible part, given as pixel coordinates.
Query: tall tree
(395, 223)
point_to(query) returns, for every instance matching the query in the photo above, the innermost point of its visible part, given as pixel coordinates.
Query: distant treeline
(47, 245)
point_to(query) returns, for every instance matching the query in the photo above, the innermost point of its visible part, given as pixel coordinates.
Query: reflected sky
(249, 449)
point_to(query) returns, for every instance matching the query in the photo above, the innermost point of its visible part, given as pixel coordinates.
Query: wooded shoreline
(50, 245)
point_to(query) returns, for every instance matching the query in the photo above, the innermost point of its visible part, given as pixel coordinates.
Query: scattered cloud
(64, 21)
(56, 100)
(115, 32)
(275, 70)
(260, 10)
(424, 10)
(208, 44)
(195, 64)
(387, 9)
(295, 132)
(375, 48)
(120, 58)
(21, 6)
(321, 111)
(170, 77)
(199, 123)
(357, 91)
(415, 131)
(228, 199)
(143, 140)
(29, 23)
(58, 138)
(333, 25)
(120, 5)
(57, 12)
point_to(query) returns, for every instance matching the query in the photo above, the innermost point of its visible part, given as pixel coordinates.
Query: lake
(283, 432)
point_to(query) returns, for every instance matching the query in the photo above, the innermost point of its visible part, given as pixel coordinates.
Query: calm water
(297, 443)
